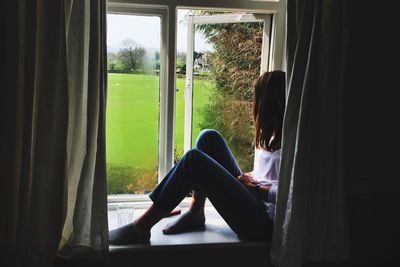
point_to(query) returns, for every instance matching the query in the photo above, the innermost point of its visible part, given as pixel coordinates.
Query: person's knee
(193, 154)
(209, 134)
(198, 160)
(197, 163)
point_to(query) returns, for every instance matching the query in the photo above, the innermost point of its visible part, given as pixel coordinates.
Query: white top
(266, 172)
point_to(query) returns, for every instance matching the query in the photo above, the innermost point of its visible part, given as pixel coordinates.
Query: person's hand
(261, 191)
(247, 180)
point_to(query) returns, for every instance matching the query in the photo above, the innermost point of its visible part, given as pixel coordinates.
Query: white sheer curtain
(310, 222)
(53, 180)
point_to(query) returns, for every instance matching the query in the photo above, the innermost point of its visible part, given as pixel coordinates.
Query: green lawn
(132, 125)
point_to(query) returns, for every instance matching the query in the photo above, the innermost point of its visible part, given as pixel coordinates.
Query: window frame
(167, 11)
(193, 21)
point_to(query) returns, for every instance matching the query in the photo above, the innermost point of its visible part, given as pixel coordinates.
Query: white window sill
(139, 201)
(217, 231)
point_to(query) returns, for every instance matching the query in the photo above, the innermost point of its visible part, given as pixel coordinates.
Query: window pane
(132, 103)
(227, 58)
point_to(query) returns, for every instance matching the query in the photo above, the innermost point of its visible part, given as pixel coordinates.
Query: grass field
(132, 127)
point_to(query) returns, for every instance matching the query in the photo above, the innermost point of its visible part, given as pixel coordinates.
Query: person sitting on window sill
(246, 201)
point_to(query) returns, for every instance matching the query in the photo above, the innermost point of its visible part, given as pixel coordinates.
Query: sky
(145, 30)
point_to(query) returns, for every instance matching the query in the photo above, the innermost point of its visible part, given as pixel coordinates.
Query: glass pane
(227, 58)
(132, 103)
(204, 85)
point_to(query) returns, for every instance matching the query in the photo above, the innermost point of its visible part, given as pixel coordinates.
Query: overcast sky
(145, 30)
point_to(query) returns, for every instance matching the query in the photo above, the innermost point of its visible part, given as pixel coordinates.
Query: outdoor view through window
(226, 61)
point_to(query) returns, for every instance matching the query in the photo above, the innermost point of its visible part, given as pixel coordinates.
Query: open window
(238, 48)
(154, 110)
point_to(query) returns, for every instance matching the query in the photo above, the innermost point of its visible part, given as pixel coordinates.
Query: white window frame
(194, 20)
(167, 11)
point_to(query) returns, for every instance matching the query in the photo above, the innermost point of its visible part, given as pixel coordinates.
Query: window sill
(217, 232)
(218, 235)
(141, 201)
(218, 245)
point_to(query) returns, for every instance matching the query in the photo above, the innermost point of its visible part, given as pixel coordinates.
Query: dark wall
(372, 107)
(372, 111)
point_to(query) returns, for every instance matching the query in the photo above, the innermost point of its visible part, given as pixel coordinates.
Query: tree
(181, 61)
(113, 62)
(131, 55)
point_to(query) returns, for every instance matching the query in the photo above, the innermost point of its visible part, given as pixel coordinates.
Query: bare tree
(131, 55)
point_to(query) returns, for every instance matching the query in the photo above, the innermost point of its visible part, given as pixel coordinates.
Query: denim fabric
(211, 169)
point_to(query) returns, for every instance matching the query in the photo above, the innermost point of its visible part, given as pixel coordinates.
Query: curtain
(85, 233)
(53, 180)
(310, 222)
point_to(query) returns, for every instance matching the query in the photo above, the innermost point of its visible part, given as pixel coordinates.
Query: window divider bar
(163, 117)
(189, 86)
(171, 90)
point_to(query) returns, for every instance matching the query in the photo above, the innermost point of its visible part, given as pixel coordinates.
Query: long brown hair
(268, 109)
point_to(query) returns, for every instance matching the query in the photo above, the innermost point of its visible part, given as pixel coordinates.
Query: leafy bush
(235, 64)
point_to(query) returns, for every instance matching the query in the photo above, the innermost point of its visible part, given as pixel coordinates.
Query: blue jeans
(211, 169)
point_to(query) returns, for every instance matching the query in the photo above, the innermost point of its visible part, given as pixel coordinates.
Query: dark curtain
(38, 143)
(310, 222)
